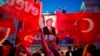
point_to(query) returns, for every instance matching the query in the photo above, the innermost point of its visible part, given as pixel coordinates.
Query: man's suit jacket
(67, 53)
(47, 32)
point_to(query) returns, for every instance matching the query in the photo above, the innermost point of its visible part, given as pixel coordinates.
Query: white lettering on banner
(30, 7)
(27, 9)
(20, 4)
(91, 25)
(25, 6)
(11, 2)
(35, 11)
(25, 38)
(28, 38)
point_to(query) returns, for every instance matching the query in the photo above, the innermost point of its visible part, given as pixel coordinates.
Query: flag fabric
(88, 25)
(27, 34)
(98, 35)
(5, 9)
(23, 12)
(65, 25)
(30, 27)
(84, 25)
(26, 11)
(8, 23)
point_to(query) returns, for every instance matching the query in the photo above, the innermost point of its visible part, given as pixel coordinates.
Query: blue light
(2, 2)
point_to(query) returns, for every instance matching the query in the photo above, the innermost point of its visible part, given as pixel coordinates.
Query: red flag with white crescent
(65, 24)
(88, 26)
(84, 26)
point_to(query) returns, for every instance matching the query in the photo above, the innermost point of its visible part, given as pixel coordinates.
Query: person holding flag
(4, 33)
(52, 49)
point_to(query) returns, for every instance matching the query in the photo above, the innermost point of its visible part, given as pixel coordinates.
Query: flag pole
(85, 50)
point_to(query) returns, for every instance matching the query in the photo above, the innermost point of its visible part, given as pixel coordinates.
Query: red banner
(88, 25)
(31, 26)
(8, 23)
(65, 24)
(5, 9)
(27, 12)
(83, 26)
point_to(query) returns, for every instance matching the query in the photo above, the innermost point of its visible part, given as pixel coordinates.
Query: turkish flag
(65, 24)
(84, 26)
(98, 35)
(87, 26)
(8, 23)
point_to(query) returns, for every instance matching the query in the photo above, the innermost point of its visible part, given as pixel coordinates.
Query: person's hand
(6, 34)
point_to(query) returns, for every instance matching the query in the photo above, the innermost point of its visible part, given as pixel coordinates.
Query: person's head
(62, 53)
(37, 50)
(91, 48)
(69, 48)
(65, 8)
(6, 42)
(49, 22)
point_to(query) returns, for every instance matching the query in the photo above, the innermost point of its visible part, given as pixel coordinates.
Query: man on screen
(51, 47)
(48, 29)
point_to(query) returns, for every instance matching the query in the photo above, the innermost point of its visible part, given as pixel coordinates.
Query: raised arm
(6, 35)
(45, 45)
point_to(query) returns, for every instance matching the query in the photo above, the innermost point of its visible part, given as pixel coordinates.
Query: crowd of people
(9, 50)
(91, 51)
